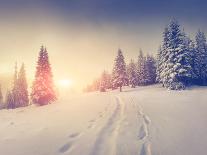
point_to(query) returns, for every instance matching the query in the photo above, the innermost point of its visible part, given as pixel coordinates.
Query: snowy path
(141, 121)
(122, 130)
(109, 133)
(117, 135)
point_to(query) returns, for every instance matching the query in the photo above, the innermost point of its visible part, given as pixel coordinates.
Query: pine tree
(150, 70)
(192, 50)
(10, 103)
(201, 58)
(132, 76)
(175, 58)
(187, 60)
(15, 93)
(22, 88)
(158, 65)
(140, 69)
(119, 75)
(43, 91)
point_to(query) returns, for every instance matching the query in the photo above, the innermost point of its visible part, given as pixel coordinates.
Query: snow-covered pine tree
(201, 58)
(140, 69)
(23, 98)
(113, 78)
(158, 65)
(119, 75)
(132, 75)
(188, 60)
(43, 90)
(192, 50)
(163, 58)
(15, 92)
(150, 70)
(10, 103)
(177, 69)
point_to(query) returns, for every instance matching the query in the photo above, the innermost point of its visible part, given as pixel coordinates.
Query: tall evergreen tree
(188, 60)
(163, 57)
(119, 75)
(158, 65)
(131, 71)
(140, 69)
(150, 70)
(201, 58)
(15, 91)
(176, 67)
(10, 103)
(22, 88)
(43, 91)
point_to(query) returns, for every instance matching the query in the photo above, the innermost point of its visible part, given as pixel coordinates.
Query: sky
(83, 36)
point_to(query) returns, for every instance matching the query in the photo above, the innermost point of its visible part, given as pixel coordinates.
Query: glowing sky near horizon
(82, 36)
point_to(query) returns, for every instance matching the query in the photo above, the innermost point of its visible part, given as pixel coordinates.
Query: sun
(65, 83)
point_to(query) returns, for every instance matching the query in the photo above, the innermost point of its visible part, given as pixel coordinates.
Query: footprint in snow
(90, 126)
(101, 114)
(66, 147)
(146, 149)
(146, 119)
(74, 135)
(91, 121)
(11, 123)
(143, 132)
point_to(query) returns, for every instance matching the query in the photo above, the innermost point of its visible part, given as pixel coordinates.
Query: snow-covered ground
(142, 121)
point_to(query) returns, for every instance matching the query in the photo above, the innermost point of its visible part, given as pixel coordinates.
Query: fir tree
(15, 92)
(132, 76)
(163, 57)
(187, 61)
(176, 66)
(150, 70)
(158, 65)
(22, 88)
(43, 91)
(10, 103)
(119, 75)
(201, 58)
(140, 69)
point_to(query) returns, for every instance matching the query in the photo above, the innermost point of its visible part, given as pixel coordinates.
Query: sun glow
(65, 83)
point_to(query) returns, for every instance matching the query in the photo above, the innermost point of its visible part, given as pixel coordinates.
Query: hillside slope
(142, 121)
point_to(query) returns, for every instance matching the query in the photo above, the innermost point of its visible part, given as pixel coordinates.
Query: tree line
(43, 90)
(180, 62)
(137, 73)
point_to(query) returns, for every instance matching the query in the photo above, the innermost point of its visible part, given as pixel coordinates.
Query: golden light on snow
(65, 83)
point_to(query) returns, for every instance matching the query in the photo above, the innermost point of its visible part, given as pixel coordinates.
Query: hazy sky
(82, 36)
